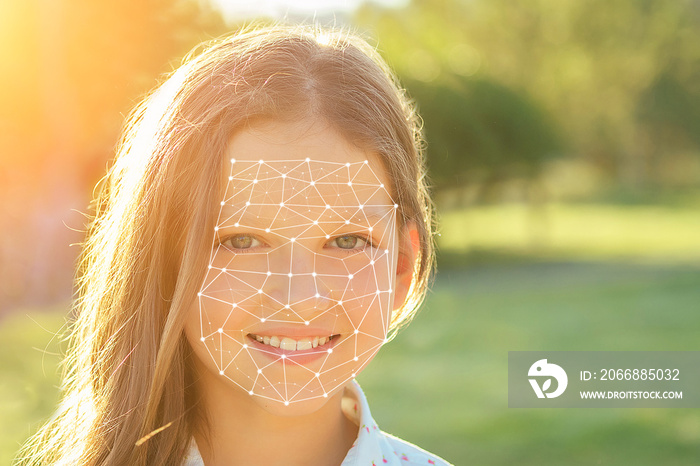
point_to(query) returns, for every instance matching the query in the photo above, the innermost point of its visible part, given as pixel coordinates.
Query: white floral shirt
(372, 447)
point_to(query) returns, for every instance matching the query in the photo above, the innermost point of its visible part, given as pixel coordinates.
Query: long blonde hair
(145, 255)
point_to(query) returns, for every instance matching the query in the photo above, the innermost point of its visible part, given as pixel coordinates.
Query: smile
(290, 344)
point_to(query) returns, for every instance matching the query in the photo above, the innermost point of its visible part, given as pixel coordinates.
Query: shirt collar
(370, 442)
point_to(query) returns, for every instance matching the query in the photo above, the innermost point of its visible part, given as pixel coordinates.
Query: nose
(293, 286)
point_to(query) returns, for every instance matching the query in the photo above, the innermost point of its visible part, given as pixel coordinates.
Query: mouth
(290, 344)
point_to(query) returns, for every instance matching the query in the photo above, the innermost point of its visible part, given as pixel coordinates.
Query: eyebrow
(372, 214)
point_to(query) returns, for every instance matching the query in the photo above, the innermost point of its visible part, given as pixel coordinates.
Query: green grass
(587, 277)
(443, 382)
(564, 277)
(577, 231)
(29, 374)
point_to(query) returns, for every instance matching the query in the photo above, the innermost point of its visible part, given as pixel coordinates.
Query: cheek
(367, 296)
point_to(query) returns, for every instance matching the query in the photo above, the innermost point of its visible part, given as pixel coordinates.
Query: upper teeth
(289, 344)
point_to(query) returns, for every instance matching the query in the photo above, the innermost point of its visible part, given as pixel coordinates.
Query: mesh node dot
(224, 270)
(286, 306)
(386, 251)
(209, 266)
(356, 331)
(381, 185)
(269, 273)
(328, 236)
(330, 350)
(378, 292)
(222, 203)
(347, 164)
(230, 178)
(233, 160)
(216, 228)
(365, 162)
(340, 303)
(221, 372)
(351, 276)
(327, 206)
(250, 392)
(347, 222)
(307, 159)
(325, 395)
(292, 239)
(371, 262)
(262, 319)
(317, 295)
(255, 181)
(353, 375)
(386, 340)
(259, 371)
(349, 183)
(260, 291)
(290, 275)
(318, 374)
(312, 183)
(286, 403)
(247, 202)
(281, 204)
(370, 228)
(389, 290)
(267, 230)
(260, 162)
(313, 274)
(284, 356)
(236, 224)
(245, 346)
(361, 207)
(199, 294)
(220, 330)
(396, 206)
(201, 339)
(315, 222)
(355, 358)
(307, 322)
(284, 175)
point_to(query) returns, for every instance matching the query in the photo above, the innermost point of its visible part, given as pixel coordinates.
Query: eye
(241, 242)
(349, 242)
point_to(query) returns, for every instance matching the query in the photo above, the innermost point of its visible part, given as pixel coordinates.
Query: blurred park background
(564, 150)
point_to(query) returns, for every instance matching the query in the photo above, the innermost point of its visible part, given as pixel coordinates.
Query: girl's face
(301, 280)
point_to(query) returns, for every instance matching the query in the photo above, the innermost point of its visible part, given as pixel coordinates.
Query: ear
(409, 248)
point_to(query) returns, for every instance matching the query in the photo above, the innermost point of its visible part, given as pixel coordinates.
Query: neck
(241, 431)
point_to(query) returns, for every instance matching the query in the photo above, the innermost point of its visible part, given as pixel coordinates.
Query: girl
(264, 229)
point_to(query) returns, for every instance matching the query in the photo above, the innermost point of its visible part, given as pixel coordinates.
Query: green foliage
(479, 128)
(618, 79)
(671, 112)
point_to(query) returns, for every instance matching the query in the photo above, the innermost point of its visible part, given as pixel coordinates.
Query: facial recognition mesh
(298, 295)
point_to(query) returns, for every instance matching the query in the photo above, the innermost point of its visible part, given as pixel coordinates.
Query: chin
(303, 407)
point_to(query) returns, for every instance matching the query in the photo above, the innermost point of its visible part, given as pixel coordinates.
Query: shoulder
(410, 454)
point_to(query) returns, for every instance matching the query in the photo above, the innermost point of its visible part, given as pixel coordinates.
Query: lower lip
(294, 357)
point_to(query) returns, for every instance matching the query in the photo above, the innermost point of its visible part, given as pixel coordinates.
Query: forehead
(302, 168)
